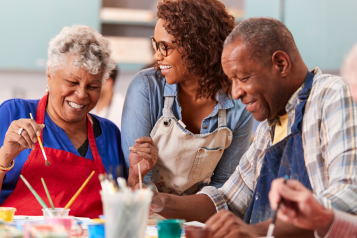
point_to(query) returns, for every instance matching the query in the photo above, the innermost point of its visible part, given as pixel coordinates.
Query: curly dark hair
(200, 28)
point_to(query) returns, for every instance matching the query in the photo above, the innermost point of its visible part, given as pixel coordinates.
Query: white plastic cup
(58, 212)
(125, 217)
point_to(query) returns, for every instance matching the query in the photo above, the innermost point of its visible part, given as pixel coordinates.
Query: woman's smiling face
(172, 66)
(73, 92)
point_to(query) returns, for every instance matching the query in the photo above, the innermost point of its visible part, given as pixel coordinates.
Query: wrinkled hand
(299, 206)
(15, 143)
(144, 152)
(226, 224)
(157, 202)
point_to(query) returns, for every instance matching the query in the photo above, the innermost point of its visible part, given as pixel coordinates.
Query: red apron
(63, 178)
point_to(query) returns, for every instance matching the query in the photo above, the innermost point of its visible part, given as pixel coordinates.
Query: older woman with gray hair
(75, 142)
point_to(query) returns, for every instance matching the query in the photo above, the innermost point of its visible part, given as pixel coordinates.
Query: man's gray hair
(349, 67)
(89, 48)
(263, 36)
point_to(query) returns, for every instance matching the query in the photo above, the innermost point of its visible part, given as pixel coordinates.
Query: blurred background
(324, 31)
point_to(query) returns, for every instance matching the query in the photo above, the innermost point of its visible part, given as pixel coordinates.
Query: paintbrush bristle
(47, 163)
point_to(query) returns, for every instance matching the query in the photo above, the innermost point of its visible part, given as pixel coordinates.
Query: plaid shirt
(343, 225)
(329, 135)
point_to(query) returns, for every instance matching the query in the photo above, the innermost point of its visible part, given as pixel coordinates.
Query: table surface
(151, 229)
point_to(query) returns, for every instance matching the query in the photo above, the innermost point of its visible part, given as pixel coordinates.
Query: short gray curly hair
(84, 42)
(349, 67)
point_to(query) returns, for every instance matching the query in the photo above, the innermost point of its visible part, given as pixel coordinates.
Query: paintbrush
(140, 182)
(42, 203)
(272, 225)
(112, 184)
(43, 151)
(121, 181)
(47, 193)
(78, 192)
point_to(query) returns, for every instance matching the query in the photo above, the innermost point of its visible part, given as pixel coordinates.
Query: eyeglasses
(164, 47)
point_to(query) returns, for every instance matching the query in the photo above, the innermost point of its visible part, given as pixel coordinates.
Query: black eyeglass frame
(165, 44)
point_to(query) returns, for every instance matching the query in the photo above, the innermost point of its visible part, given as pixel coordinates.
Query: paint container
(7, 213)
(58, 212)
(64, 221)
(170, 228)
(68, 223)
(198, 232)
(9, 231)
(96, 231)
(126, 213)
(45, 231)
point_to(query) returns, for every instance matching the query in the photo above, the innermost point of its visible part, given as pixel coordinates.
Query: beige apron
(186, 160)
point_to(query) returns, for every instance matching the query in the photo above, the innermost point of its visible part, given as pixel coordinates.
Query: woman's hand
(14, 143)
(299, 206)
(144, 152)
(157, 201)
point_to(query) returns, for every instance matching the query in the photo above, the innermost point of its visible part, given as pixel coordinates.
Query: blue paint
(96, 231)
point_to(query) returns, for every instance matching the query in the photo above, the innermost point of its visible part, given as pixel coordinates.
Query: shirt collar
(170, 90)
(294, 99)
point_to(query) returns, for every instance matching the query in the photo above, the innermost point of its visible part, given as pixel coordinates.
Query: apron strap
(167, 110)
(40, 119)
(222, 115)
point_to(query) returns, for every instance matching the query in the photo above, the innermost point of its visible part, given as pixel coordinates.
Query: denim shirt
(143, 107)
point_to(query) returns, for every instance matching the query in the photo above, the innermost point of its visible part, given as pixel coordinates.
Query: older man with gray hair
(307, 132)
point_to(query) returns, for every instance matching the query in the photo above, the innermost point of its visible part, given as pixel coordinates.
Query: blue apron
(284, 158)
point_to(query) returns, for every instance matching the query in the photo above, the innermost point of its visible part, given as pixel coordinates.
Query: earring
(47, 89)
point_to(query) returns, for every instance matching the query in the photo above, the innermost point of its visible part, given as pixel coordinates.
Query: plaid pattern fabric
(329, 136)
(343, 225)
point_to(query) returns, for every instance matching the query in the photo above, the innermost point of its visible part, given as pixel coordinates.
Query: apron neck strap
(41, 109)
(91, 141)
(222, 115)
(40, 119)
(167, 110)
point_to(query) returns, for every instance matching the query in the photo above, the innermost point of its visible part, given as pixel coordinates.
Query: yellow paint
(98, 220)
(7, 213)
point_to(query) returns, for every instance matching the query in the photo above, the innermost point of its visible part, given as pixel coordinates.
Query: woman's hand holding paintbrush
(21, 135)
(299, 207)
(144, 152)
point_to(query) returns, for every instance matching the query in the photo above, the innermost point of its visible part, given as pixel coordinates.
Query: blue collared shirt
(143, 107)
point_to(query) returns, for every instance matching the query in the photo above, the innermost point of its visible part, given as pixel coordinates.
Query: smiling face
(73, 92)
(259, 86)
(171, 66)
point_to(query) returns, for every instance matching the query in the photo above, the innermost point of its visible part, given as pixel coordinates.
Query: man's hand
(144, 152)
(299, 206)
(226, 224)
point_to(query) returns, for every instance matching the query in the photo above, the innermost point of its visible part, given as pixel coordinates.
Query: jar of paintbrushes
(126, 211)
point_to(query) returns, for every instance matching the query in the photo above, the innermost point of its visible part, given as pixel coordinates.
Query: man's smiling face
(257, 84)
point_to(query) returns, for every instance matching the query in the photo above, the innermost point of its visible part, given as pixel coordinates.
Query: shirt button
(204, 127)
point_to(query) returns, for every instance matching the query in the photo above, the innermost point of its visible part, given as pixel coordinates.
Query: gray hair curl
(349, 67)
(91, 48)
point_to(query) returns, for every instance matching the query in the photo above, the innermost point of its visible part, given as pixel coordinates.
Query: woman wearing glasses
(179, 121)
